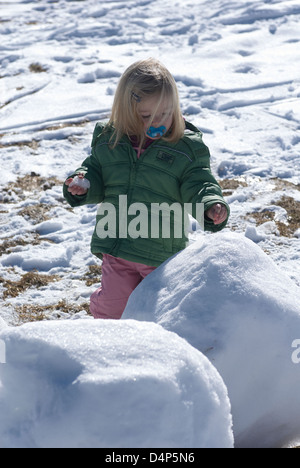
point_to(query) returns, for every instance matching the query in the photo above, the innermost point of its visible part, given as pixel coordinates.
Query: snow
(80, 182)
(2, 324)
(86, 383)
(228, 299)
(237, 69)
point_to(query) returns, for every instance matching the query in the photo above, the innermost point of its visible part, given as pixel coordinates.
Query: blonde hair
(144, 79)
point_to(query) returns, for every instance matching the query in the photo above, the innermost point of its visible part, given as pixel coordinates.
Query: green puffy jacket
(165, 175)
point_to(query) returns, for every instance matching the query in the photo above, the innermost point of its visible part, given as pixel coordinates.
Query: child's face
(163, 117)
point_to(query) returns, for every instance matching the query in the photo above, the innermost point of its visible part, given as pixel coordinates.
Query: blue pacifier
(156, 133)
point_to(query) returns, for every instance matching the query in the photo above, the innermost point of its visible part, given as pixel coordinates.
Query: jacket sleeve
(92, 171)
(198, 185)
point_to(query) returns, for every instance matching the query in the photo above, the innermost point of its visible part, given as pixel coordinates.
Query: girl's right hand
(78, 186)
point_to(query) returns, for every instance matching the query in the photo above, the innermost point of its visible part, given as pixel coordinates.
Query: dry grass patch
(230, 185)
(28, 184)
(262, 217)
(93, 276)
(33, 313)
(37, 68)
(30, 313)
(281, 184)
(35, 213)
(33, 181)
(82, 123)
(33, 144)
(33, 279)
(9, 245)
(291, 206)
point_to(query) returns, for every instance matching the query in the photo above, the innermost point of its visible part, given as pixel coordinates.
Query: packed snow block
(2, 323)
(86, 383)
(229, 300)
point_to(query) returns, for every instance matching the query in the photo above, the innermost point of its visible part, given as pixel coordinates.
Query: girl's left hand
(218, 213)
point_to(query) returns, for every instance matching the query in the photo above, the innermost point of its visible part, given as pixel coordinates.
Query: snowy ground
(237, 68)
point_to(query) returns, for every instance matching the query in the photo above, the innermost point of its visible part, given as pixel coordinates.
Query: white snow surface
(86, 383)
(229, 300)
(236, 65)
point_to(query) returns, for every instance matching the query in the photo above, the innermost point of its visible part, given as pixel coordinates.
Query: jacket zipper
(133, 162)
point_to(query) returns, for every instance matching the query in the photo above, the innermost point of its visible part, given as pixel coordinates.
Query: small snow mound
(252, 234)
(43, 258)
(86, 383)
(228, 299)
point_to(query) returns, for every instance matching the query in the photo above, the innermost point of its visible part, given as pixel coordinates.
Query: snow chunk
(80, 182)
(48, 227)
(89, 383)
(226, 297)
(251, 233)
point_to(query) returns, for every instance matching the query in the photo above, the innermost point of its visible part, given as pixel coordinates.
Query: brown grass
(33, 144)
(8, 245)
(33, 279)
(33, 313)
(93, 275)
(281, 184)
(29, 183)
(292, 208)
(230, 185)
(35, 213)
(33, 181)
(37, 68)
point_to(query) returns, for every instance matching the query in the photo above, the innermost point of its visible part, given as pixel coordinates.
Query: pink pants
(119, 279)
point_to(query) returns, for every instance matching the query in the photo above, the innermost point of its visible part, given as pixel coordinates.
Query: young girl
(146, 156)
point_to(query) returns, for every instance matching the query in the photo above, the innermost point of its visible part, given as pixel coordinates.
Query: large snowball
(227, 298)
(86, 383)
